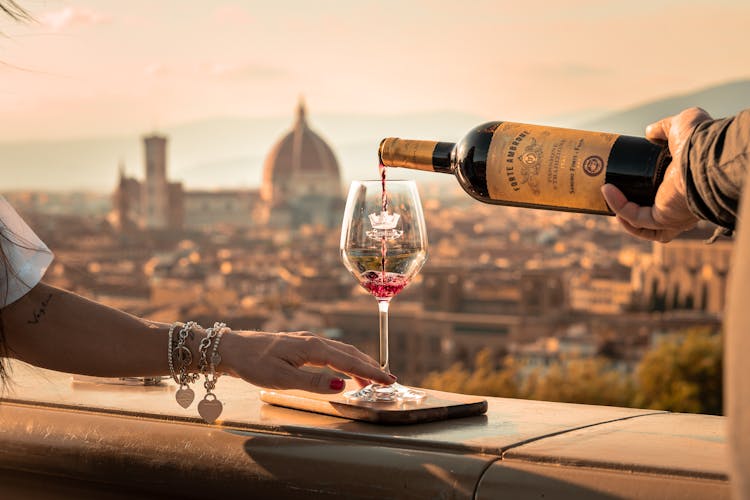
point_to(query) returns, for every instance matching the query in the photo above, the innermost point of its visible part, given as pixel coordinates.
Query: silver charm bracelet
(210, 407)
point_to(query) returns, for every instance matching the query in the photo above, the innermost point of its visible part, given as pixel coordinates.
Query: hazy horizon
(229, 152)
(286, 116)
(112, 71)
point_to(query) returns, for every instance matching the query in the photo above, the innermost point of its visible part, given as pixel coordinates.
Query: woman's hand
(274, 360)
(669, 216)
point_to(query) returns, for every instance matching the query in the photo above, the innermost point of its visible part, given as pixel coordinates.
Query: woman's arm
(57, 329)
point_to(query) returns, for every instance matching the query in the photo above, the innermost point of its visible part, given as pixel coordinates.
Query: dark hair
(4, 264)
(6, 272)
(14, 11)
(4, 281)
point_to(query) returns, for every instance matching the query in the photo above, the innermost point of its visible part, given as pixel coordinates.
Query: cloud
(570, 70)
(156, 69)
(246, 71)
(216, 71)
(70, 17)
(232, 15)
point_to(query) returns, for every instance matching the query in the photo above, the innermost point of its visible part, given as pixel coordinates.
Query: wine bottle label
(553, 167)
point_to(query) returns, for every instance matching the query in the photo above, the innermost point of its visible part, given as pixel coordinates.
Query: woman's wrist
(193, 353)
(227, 350)
(191, 341)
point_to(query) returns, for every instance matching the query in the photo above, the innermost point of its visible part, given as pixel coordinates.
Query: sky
(101, 67)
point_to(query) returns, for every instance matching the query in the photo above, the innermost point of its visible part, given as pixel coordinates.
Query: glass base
(378, 393)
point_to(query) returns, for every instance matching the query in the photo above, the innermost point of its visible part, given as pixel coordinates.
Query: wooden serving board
(435, 406)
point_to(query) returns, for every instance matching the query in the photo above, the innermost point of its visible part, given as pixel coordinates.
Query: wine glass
(384, 245)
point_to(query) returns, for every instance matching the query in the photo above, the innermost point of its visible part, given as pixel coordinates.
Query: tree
(682, 373)
(484, 380)
(581, 380)
(575, 380)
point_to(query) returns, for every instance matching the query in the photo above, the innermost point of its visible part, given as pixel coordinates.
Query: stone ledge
(137, 437)
(148, 457)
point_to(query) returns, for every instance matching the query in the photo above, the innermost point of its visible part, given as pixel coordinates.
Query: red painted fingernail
(392, 377)
(336, 384)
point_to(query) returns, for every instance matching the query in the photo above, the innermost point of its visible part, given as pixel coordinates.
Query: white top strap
(26, 256)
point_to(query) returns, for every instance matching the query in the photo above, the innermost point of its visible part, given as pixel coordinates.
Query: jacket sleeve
(714, 166)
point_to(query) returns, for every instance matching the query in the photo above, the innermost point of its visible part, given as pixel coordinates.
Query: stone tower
(155, 195)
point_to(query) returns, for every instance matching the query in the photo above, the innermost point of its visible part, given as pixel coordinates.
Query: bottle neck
(430, 156)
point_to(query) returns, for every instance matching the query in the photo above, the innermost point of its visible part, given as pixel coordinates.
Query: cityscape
(190, 161)
(539, 287)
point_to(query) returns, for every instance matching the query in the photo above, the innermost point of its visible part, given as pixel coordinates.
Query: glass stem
(383, 315)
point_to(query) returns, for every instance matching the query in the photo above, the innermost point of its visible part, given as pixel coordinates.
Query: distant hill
(719, 101)
(220, 152)
(229, 151)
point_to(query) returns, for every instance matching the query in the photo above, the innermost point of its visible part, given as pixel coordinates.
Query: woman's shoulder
(24, 257)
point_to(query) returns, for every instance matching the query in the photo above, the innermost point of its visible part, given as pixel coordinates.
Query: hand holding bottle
(535, 166)
(669, 216)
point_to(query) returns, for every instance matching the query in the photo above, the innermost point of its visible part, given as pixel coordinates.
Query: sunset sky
(98, 67)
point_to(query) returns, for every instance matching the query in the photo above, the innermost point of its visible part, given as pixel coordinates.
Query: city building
(208, 208)
(602, 290)
(301, 185)
(684, 274)
(301, 180)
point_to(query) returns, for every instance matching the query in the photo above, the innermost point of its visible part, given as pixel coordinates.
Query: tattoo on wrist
(40, 311)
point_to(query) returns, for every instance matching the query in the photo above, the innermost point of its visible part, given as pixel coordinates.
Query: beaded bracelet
(211, 333)
(215, 357)
(210, 407)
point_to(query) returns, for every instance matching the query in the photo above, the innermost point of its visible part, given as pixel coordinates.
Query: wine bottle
(535, 166)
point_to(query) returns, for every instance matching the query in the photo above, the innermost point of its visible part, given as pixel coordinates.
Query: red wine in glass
(383, 285)
(384, 245)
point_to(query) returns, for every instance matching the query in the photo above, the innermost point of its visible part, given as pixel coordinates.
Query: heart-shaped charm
(184, 396)
(210, 409)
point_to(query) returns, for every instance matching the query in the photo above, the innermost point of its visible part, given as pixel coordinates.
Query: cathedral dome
(300, 163)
